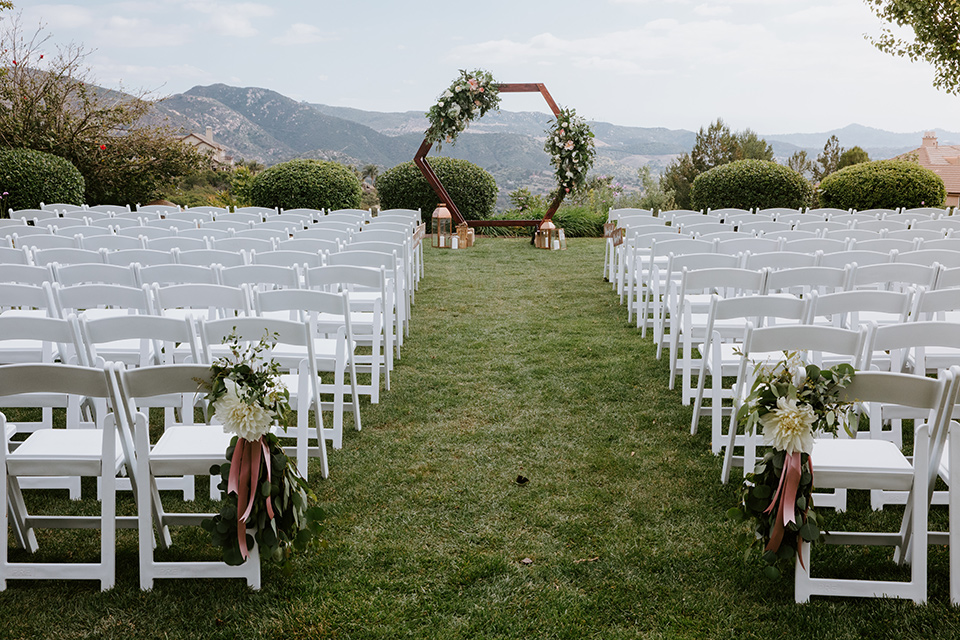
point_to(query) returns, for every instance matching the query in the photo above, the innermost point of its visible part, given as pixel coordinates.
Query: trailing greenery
(751, 183)
(29, 177)
(472, 188)
(308, 184)
(883, 184)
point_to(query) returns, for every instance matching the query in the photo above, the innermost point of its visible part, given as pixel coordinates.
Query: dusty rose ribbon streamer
(244, 480)
(785, 495)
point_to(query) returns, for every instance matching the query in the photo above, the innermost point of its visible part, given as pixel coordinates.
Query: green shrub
(473, 189)
(884, 184)
(29, 177)
(751, 183)
(307, 184)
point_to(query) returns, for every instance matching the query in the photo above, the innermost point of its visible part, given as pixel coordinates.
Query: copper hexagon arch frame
(420, 159)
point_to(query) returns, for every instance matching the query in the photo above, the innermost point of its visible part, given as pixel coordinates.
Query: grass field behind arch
(520, 362)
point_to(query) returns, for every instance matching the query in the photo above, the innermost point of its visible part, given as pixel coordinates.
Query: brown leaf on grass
(594, 559)
(526, 561)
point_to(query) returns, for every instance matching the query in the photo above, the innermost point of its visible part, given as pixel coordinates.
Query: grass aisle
(520, 362)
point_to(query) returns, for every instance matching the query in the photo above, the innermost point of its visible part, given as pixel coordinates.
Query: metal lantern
(550, 237)
(442, 227)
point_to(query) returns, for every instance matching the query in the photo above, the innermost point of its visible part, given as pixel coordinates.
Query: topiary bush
(751, 183)
(883, 184)
(29, 177)
(306, 184)
(473, 189)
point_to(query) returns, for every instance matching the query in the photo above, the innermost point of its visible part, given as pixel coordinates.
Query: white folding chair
(333, 346)
(725, 328)
(49, 452)
(811, 342)
(302, 381)
(879, 464)
(370, 315)
(180, 450)
(692, 308)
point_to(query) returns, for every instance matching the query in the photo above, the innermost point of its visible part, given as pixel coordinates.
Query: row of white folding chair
(754, 252)
(227, 254)
(408, 227)
(700, 276)
(614, 254)
(370, 314)
(726, 319)
(837, 259)
(864, 463)
(116, 342)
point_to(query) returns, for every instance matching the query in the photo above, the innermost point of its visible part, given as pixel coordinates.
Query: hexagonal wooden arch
(420, 159)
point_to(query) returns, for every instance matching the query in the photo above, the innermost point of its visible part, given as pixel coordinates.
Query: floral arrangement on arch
(793, 403)
(571, 149)
(469, 97)
(263, 493)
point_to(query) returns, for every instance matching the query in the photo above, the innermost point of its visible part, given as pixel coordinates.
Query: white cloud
(58, 16)
(300, 33)
(232, 20)
(712, 10)
(128, 32)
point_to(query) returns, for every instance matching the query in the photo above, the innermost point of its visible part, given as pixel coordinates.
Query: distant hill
(263, 125)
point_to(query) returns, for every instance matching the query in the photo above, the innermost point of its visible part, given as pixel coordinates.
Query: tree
(652, 195)
(714, 146)
(854, 155)
(48, 103)
(754, 147)
(936, 32)
(801, 163)
(829, 159)
(369, 172)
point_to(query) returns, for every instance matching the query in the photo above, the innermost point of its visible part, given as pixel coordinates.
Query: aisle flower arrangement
(264, 497)
(793, 403)
(469, 97)
(571, 149)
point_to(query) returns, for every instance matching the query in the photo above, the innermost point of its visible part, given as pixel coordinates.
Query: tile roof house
(943, 160)
(205, 144)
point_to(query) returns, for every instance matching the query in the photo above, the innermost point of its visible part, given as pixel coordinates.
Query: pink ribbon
(244, 482)
(786, 494)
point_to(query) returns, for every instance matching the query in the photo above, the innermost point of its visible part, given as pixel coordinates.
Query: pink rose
(569, 145)
(473, 84)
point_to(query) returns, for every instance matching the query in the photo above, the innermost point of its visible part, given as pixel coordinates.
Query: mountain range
(260, 124)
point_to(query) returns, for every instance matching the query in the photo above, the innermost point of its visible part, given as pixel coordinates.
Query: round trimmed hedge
(30, 177)
(751, 183)
(883, 184)
(472, 188)
(306, 184)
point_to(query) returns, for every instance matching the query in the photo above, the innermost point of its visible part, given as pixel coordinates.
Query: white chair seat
(65, 451)
(857, 463)
(189, 450)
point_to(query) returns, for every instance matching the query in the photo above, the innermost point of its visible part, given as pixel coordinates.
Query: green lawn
(520, 362)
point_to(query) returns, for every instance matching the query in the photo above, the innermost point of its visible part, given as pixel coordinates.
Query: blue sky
(777, 66)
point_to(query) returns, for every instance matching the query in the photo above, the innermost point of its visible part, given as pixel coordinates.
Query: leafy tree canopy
(714, 146)
(48, 103)
(936, 35)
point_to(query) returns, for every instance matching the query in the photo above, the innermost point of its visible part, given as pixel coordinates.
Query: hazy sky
(777, 66)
